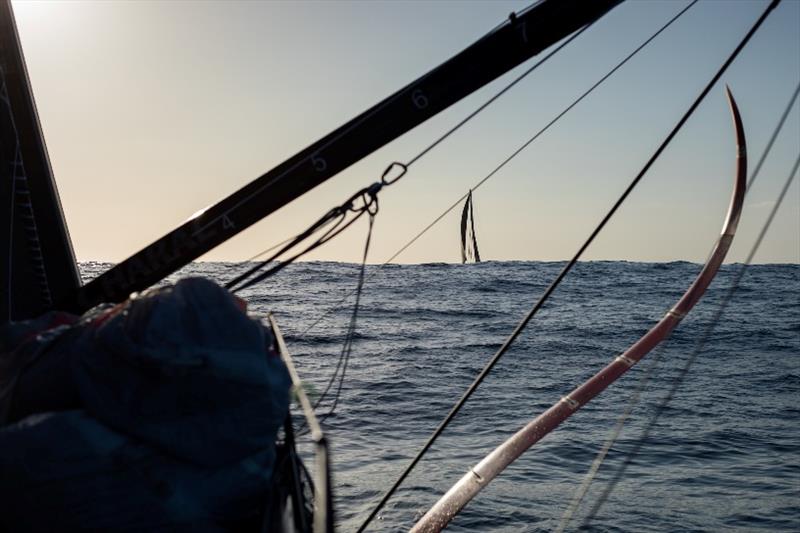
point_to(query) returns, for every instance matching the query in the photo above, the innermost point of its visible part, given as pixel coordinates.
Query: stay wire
(633, 401)
(347, 348)
(367, 197)
(500, 93)
(581, 491)
(352, 324)
(568, 267)
(338, 228)
(260, 254)
(507, 160)
(774, 136)
(692, 357)
(328, 218)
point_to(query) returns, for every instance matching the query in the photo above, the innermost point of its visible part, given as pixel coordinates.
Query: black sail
(469, 241)
(37, 264)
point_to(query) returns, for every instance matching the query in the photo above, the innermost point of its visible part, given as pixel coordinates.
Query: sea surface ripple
(723, 456)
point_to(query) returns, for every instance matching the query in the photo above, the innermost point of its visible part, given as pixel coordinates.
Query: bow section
(494, 463)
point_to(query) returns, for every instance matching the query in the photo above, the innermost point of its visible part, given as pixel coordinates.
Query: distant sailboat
(469, 242)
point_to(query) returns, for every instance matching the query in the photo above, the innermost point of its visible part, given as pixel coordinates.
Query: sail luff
(469, 242)
(464, 215)
(476, 253)
(37, 262)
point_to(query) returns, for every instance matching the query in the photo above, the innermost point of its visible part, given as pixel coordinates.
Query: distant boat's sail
(37, 264)
(469, 243)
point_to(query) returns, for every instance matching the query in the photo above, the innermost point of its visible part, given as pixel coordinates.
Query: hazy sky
(154, 110)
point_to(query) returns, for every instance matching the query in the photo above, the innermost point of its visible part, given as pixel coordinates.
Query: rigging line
(326, 219)
(351, 324)
(242, 279)
(370, 206)
(369, 201)
(262, 253)
(581, 491)
(330, 234)
(329, 218)
(633, 401)
(506, 161)
(774, 136)
(566, 269)
(347, 348)
(500, 93)
(693, 356)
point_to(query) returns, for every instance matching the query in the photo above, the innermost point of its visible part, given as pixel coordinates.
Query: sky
(154, 110)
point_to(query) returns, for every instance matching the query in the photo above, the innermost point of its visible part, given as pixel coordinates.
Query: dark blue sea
(724, 454)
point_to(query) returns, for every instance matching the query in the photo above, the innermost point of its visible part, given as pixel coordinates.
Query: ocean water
(723, 456)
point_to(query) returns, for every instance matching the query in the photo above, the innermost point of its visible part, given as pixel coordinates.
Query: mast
(518, 39)
(37, 264)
